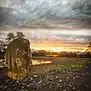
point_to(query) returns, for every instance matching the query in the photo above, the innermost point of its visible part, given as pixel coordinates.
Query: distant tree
(10, 37)
(89, 44)
(2, 45)
(88, 51)
(2, 49)
(89, 47)
(19, 35)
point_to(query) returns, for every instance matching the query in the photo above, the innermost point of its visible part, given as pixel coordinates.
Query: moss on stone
(18, 57)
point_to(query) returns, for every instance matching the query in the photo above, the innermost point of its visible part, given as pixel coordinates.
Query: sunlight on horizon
(55, 49)
(58, 49)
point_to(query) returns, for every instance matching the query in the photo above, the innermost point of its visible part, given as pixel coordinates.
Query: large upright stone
(18, 57)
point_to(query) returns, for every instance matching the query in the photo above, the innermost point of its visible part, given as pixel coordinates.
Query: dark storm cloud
(3, 15)
(17, 12)
(6, 18)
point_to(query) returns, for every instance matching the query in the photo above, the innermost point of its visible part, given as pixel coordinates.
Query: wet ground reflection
(37, 62)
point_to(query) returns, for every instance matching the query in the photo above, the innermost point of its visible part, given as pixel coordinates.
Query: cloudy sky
(48, 24)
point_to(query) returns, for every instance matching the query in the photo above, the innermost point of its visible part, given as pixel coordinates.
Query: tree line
(61, 54)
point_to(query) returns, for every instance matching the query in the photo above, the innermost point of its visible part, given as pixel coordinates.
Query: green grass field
(58, 63)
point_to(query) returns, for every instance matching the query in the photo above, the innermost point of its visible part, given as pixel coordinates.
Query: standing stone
(18, 56)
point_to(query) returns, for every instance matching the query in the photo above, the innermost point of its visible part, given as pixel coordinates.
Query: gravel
(54, 80)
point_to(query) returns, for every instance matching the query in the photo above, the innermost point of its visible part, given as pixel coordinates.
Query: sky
(58, 25)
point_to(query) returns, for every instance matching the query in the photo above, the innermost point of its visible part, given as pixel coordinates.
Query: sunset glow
(57, 47)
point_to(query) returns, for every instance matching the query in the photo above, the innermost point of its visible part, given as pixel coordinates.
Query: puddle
(37, 62)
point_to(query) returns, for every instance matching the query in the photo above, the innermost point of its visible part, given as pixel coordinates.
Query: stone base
(18, 75)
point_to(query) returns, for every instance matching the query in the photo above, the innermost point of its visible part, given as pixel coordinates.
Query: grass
(59, 64)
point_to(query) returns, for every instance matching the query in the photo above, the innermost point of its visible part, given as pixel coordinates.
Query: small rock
(35, 76)
(60, 80)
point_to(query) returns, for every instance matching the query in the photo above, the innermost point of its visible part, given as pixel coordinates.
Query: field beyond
(60, 74)
(57, 63)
